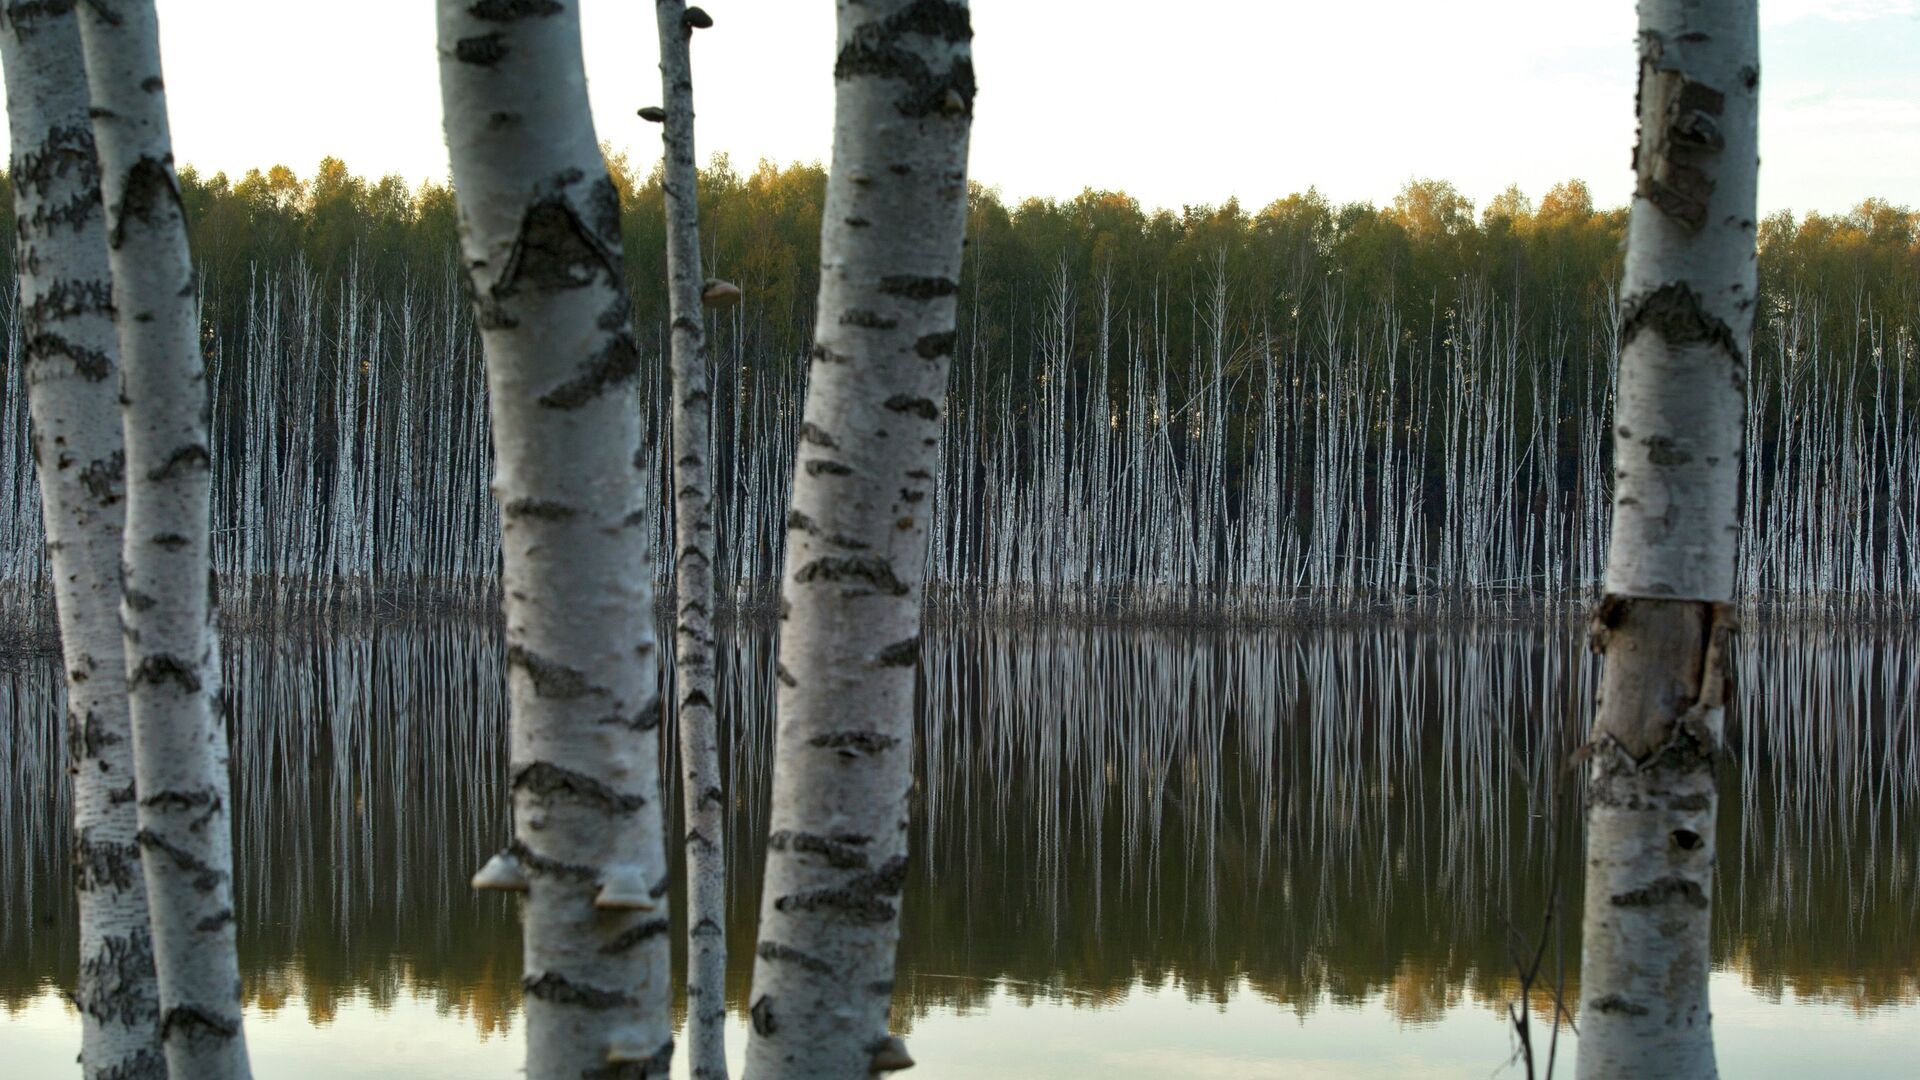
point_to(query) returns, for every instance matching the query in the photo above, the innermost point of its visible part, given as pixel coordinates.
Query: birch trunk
(693, 645)
(167, 606)
(894, 223)
(73, 387)
(540, 231)
(1689, 294)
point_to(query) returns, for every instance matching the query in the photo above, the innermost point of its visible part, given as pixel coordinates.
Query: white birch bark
(167, 607)
(693, 644)
(894, 224)
(1687, 321)
(73, 388)
(540, 232)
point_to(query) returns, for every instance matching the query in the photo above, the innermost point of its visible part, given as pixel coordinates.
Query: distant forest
(1554, 258)
(1342, 405)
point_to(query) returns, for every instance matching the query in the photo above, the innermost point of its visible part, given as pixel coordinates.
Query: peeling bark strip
(131, 264)
(1663, 624)
(692, 413)
(1678, 134)
(892, 233)
(540, 238)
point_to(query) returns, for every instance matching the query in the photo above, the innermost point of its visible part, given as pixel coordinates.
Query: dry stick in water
(894, 222)
(693, 560)
(73, 385)
(172, 652)
(1688, 306)
(540, 236)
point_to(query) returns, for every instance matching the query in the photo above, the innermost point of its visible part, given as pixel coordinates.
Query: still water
(1136, 853)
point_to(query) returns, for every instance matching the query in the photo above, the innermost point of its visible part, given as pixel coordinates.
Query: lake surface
(1135, 853)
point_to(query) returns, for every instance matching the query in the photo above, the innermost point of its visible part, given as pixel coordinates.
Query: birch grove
(1687, 304)
(73, 386)
(540, 233)
(890, 253)
(167, 604)
(693, 552)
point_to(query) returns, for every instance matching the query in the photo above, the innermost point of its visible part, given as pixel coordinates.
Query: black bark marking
(841, 852)
(900, 653)
(636, 935)
(102, 478)
(558, 989)
(545, 780)
(1661, 891)
(184, 457)
(919, 288)
(94, 365)
(534, 862)
(1661, 451)
(24, 14)
(67, 298)
(876, 50)
(869, 320)
(787, 954)
(828, 356)
(148, 193)
(854, 906)
(110, 979)
(644, 721)
(821, 466)
(854, 743)
(484, 50)
(762, 1013)
(1614, 1003)
(935, 346)
(101, 864)
(216, 921)
(183, 800)
(509, 10)
(160, 668)
(557, 251)
(194, 1022)
(924, 408)
(205, 877)
(550, 679)
(66, 150)
(153, 84)
(780, 672)
(616, 364)
(1679, 316)
(540, 510)
(871, 569)
(137, 600)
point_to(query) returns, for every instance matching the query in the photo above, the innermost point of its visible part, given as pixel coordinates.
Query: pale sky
(1175, 103)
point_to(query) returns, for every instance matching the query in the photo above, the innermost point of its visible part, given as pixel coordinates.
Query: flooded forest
(1246, 716)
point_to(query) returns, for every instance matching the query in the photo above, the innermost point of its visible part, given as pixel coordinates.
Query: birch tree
(540, 235)
(1688, 305)
(693, 643)
(167, 601)
(891, 239)
(73, 387)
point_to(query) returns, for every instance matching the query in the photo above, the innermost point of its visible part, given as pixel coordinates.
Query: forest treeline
(1557, 254)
